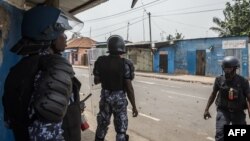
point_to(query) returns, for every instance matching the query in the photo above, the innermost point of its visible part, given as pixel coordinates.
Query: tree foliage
(177, 36)
(237, 19)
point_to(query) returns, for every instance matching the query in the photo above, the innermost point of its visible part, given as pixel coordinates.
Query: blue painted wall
(185, 55)
(191, 62)
(171, 55)
(9, 59)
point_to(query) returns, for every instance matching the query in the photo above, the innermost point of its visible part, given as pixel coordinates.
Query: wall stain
(4, 29)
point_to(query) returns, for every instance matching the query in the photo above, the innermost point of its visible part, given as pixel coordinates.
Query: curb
(175, 79)
(160, 77)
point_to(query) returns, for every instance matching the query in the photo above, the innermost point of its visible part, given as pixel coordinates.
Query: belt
(230, 109)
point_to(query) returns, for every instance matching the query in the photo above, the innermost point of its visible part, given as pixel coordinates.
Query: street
(169, 110)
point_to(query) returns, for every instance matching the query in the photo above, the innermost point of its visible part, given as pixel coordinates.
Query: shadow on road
(88, 135)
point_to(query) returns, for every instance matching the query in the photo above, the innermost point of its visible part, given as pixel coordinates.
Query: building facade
(141, 56)
(201, 56)
(77, 50)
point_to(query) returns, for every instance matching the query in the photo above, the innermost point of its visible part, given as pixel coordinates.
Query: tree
(170, 37)
(178, 36)
(236, 22)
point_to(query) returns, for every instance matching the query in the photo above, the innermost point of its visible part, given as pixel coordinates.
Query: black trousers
(227, 117)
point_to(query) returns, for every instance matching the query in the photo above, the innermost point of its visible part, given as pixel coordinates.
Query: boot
(127, 137)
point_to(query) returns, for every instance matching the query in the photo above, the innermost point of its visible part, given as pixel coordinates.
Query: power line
(118, 28)
(191, 25)
(158, 26)
(197, 6)
(185, 13)
(126, 12)
(123, 22)
(143, 7)
(105, 27)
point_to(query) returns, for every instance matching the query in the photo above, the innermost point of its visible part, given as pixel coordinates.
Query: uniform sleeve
(129, 70)
(216, 86)
(246, 87)
(54, 87)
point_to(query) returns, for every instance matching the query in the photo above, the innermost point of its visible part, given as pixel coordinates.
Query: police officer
(115, 75)
(232, 91)
(42, 84)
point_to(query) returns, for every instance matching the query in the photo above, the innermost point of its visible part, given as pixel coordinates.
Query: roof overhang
(71, 6)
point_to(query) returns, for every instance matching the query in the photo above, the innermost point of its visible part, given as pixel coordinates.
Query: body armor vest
(51, 98)
(231, 94)
(111, 70)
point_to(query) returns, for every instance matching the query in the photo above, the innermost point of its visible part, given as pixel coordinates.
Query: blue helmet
(40, 26)
(44, 23)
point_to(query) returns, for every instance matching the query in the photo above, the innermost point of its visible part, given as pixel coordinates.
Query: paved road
(169, 110)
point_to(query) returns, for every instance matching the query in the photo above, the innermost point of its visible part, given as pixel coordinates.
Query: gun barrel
(86, 98)
(82, 102)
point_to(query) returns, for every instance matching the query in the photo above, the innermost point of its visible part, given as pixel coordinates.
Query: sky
(192, 18)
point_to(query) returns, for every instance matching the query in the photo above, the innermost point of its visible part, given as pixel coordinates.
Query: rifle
(84, 123)
(82, 102)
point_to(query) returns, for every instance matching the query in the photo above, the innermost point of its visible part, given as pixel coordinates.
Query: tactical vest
(111, 69)
(233, 89)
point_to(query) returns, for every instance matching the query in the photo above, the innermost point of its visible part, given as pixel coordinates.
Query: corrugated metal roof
(138, 43)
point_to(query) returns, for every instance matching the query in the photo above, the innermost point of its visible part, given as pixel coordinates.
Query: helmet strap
(53, 48)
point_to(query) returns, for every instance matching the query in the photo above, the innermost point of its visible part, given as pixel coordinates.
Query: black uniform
(230, 102)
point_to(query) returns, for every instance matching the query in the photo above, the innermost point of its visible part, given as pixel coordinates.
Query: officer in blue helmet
(115, 75)
(41, 94)
(41, 26)
(232, 92)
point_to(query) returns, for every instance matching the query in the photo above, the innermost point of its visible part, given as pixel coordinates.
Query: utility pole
(143, 26)
(127, 31)
(151, 44)
(150, 33)
(90, 32)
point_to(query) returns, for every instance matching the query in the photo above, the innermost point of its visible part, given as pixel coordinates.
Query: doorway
(163, 62)
(200, 62)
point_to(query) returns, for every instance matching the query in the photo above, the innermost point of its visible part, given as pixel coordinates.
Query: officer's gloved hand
(207, 115)
(135, 112)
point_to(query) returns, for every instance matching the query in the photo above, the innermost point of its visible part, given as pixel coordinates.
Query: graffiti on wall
(4, 29)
